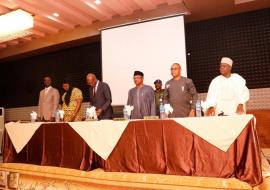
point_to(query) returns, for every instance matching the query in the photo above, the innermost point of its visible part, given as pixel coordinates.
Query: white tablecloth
(218, 131)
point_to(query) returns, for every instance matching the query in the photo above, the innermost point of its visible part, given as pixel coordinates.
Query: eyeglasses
(174, 69)
(137, 77)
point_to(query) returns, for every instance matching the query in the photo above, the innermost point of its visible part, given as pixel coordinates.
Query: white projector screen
(150, 46)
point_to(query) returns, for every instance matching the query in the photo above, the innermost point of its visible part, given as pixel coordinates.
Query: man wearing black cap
(142, 97)
(159, 94)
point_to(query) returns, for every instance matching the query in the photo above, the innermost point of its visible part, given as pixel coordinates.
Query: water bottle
(198, 108)
(162, 110)
(57, 116)
(125, 113)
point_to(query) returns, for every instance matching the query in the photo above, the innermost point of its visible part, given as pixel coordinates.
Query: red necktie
(94, 90)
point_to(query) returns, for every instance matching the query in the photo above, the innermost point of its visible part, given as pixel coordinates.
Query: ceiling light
(56, 14)
(15, 24)
(98, 2)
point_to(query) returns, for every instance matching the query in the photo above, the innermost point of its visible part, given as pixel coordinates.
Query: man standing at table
(142, 97)
(100, 97)
(180, 93)
(159, 94)
(227, 92)
(48, 101)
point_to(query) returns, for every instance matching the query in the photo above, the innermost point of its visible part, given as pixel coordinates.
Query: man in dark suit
(100, 97)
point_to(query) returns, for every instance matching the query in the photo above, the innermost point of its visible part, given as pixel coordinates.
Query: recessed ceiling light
(98, 2)
(56, 14)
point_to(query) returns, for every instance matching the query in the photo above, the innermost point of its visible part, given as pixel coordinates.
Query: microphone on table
(222, 114)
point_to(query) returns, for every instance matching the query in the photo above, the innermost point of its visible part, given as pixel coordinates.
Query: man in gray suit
(180, 93)
(100, 97)
(48, 101)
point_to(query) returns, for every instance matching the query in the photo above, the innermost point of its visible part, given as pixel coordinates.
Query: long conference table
(208, 146)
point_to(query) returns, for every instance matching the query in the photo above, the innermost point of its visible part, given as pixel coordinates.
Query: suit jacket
(102, 99)
(48, 103)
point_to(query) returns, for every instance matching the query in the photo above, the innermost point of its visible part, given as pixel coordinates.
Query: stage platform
(33, 177)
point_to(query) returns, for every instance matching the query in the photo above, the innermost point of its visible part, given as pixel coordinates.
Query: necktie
(94, 90)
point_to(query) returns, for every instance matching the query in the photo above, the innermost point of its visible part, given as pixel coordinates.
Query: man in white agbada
(227, 92)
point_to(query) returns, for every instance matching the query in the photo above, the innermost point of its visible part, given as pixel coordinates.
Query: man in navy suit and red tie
(100, 97)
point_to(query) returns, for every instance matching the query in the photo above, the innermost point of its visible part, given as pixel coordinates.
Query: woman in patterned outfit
(72, 101)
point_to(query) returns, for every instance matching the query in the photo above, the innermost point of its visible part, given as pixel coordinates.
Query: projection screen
(150, 46)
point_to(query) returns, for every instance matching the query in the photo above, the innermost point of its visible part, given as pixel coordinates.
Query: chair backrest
(2, 117)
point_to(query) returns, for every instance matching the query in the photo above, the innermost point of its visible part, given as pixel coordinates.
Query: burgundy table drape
(146, 146)
(166, 147)
(53, 145)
